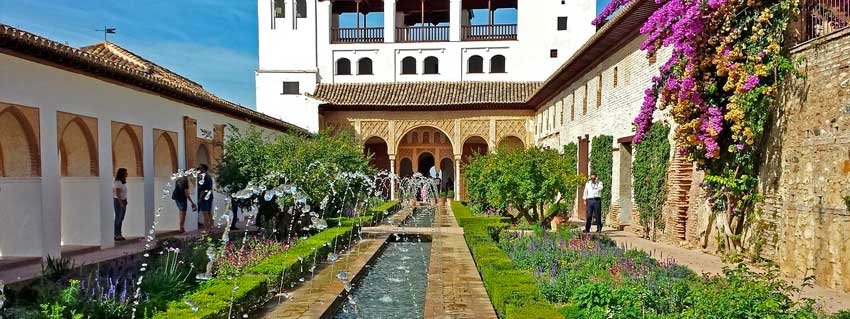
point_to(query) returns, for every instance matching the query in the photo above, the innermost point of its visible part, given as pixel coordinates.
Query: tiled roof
(414, 95)
(112, 62)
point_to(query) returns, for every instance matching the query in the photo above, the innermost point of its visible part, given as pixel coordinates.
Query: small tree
(650, 177)
(525, 180)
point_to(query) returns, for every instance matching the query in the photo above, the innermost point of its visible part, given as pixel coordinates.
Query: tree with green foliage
(601, 163)
(329, 170)
(523, 180)
(652, 158)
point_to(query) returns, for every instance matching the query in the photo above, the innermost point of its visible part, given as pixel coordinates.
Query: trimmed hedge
(514, 292)
(213, 301)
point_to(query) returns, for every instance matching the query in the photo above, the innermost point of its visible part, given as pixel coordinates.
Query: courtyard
(430, 159)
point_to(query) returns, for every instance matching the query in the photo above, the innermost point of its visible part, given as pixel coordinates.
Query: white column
(150, 176)
(389, 21)
(455, 10)
(107, 211)
(392, 177)
(51, 208)
(457, 177)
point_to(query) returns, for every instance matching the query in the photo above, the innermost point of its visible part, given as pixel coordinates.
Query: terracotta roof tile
(425, 94)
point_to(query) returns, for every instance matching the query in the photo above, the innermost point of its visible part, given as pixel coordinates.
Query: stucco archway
(165, 154)
(202, 155)
(19, 151)
(376, 148)
(78, 149)
(510, 143)
(424, 139)
(127, 149)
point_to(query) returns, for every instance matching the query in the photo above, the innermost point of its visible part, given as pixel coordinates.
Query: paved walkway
(316, 296)
(454, 289)
(831, 300)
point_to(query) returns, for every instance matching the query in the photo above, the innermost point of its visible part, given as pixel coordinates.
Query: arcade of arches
(405, 143)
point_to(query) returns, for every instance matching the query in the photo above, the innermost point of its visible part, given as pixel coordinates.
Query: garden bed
(566, 274)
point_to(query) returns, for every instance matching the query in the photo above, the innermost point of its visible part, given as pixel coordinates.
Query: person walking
(119, 201)
(593, 201)
(234, 208)
(205, 196)
(182, 197)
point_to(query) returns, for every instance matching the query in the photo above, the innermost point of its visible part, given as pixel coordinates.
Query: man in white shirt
(593, 200)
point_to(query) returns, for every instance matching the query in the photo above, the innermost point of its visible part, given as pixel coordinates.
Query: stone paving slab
(455, 289)
(315, 297)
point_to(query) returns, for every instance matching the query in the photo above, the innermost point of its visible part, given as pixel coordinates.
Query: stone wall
(806, 171)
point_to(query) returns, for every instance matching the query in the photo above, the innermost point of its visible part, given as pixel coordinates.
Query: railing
(422, 34)
(821, 17)
(357, 35)
(489, 32)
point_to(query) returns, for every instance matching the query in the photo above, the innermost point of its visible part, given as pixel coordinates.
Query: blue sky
(213, 42)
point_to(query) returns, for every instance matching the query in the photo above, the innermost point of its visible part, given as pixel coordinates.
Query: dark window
(562, 23)
(301, 9)
(364, 66)
(343, 67)
(408, 65)
(497, 64)
(553, 53)
(616, 76)
(291, 88)
(432, 65)
(475, 64)
(279, 12)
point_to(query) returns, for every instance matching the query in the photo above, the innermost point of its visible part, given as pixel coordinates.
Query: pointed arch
(202, 155)
(78, 149)
(510, 143)
(19, 148)
(127, 149)
(164, 153)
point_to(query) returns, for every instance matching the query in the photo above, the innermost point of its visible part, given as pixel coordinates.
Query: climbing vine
(601, 161)
(571, 157)
(720, 84)
(652, 157)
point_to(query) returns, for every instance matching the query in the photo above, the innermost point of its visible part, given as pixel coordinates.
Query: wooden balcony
(822, 17)
(357, 35)
(489, 32)
(422, 34)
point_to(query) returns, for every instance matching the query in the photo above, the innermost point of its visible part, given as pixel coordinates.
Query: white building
(69, 118)
(305, 42)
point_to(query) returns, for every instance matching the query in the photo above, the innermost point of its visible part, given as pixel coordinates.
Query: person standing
(205, 196)
(593, 201)
(182, 197)
(119, 201)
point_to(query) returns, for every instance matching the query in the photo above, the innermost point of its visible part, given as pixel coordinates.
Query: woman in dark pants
(182, 198)
(119, 201)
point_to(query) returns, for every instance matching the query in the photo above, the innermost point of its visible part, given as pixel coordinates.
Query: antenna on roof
(106, 31)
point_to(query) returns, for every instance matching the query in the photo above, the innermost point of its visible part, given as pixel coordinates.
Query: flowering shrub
(720, 83)
(235, 257)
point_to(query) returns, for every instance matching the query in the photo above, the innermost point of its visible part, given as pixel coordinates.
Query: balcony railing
(422, 34)
(489, 32)
(822, 17)
(357, 35)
